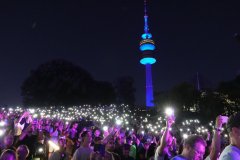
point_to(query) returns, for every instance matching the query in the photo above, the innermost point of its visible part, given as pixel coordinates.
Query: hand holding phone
(220, 120)
(169, 112)
(224, 119)
(170, 118)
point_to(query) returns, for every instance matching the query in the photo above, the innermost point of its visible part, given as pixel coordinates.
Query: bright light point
(55, 147)
(40, 150)
(1, 132)
(142, 132)
(105, 128)
(31, 111)
(169, 111)
(2, 123)
(148, 60)
(118, 122)
(185, 136)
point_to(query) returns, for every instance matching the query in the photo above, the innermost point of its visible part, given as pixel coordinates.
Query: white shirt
(230, 153)
(82, 153)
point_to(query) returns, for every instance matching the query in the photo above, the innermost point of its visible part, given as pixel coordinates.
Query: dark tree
(183, 97)
(231, 95)
(125, 90)
(231, 88)
(208, 103)
(211, 105)
(103, 92)
(60, 82)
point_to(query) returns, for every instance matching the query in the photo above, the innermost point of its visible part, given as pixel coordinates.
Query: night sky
(102, 36)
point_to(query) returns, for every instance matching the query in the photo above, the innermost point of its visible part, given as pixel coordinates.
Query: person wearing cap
(232, 151)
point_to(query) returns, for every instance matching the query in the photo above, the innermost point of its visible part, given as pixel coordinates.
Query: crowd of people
(89, 135)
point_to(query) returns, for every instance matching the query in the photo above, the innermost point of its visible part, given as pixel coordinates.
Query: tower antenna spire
(145, 17)
(198, 83)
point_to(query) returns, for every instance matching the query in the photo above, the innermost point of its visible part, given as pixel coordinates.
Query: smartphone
(224, 119)
(99, 148)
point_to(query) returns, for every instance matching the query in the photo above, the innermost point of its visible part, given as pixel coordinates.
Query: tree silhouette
(103, 93)
(60, 82)
(231, 88)
(211, 104)
(125, 90)
(183, 96)
(231, 94)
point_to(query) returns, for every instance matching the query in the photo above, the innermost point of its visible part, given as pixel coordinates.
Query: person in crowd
(84, 151)
(134, 144)
(33, 139)
(54, 133)
(232, 151)
(60, 154)
(119, 141)
(29, 139)
(143, 152)
(17, 128)
(47, 125)
(97, 133)
(25, 119)
(96, 156)
(8, 142)
(99, 149)
(167, 149)
(72, 137)
(193, 149)
(125, 152)
(139, 145)
(109, 150)
(22, 152)
(151, 151)
(215, 147)
(8, 155)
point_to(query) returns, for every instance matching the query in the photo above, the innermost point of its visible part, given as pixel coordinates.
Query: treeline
(61, 83)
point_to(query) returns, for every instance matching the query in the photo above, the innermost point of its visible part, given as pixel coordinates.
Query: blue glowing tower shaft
(149, 88)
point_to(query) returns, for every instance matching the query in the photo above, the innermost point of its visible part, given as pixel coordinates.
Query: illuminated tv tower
(147, 47)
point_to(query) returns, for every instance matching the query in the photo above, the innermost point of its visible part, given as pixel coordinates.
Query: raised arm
(216, 141)
(165, 137)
